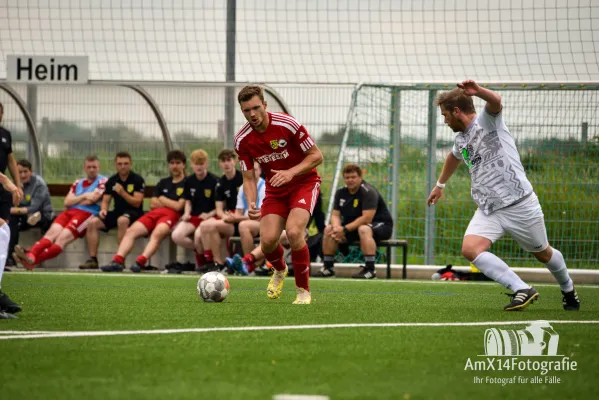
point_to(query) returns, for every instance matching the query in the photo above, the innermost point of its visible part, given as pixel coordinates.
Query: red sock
(250, 260)
(119, 259)
(276, 258)
(141, 260)
(208, 256)
(48, 253)
(200, 259)
(301, 267)
(40, 246)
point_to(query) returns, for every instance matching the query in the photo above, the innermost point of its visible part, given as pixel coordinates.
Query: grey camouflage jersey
(489, 151)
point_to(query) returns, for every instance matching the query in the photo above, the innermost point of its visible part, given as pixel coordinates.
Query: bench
(389, 244)
(392, 243)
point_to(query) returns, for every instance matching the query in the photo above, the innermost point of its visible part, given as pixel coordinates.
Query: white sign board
(47, 69)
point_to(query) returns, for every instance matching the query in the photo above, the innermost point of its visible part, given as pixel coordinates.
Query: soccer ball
(213, 287)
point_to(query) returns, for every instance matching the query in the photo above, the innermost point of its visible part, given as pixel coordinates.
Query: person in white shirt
(505, 198)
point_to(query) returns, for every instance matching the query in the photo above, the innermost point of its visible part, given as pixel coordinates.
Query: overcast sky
(326, 41)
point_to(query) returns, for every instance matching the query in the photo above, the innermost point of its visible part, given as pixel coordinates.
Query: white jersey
(242, 202)
(489, 151)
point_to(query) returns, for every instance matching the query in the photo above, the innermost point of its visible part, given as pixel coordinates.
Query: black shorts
(5, 204)
(111, 220)
(380, 231)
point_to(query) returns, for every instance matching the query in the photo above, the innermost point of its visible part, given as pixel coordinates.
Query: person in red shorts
(166, 206)
(82, 204)
(289, 157)
(200, 188)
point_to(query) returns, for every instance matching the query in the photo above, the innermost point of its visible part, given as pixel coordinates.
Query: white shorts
(524, 221)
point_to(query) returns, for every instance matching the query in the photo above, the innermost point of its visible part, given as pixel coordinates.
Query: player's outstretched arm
(472, 88)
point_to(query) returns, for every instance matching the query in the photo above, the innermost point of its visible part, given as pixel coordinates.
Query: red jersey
(282, 146)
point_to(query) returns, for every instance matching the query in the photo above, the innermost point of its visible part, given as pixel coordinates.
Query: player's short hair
(250, 91)
(122, 154)
(91, 158)
(350, 168)
(25, 164)
(176, 155)
(226, 154)
(199, 156)
(456, 98)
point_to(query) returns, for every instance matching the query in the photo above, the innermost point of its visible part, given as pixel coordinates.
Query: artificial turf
(401, 362)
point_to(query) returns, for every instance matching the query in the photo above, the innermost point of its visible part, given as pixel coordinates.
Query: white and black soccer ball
(213, 287)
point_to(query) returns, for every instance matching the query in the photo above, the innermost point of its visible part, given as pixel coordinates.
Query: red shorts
(162, 215)
(301, 195)
(195, 221)
(75, 220)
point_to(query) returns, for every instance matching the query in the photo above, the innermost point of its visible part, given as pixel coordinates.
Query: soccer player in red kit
(289, 157)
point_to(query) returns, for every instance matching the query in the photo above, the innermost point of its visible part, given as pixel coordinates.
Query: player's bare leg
(300, 255)
(159, 233)
(135, 231)
(474, 248)
(248, 229)
(122, 224)
(271, 226)
(182, 235)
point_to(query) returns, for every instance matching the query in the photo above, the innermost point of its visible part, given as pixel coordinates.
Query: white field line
(26, 335)
(367, 281)
(24, 332)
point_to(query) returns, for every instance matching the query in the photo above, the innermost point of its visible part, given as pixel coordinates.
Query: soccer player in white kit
(505, 198)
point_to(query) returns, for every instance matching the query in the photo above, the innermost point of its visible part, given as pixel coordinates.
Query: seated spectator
(82, 204)
(214, 231)
(225, 203)
(166, 206)
(34, 211)
(359, 214)
(200, 188)
(127, 189)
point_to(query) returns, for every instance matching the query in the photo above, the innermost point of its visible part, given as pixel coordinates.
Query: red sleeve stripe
(287, 119)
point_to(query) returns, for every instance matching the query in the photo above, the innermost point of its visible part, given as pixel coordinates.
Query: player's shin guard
(301, 267)
(276, 258)
(49, 253)
(493, 267)
(557, 267)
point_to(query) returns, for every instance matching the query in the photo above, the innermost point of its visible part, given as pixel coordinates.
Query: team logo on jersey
(179, 191)
(282, 143)
(274, 144)
(207, 192)
(130, 188)
(356, 201)
(341, 202)
(27, 197)
(193, 192)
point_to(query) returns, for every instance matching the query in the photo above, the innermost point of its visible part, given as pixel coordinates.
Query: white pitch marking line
(299, 397)
(366, 281)
(25, 334)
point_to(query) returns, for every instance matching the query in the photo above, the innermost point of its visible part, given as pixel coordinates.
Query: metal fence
(394, 132)
(397, 134)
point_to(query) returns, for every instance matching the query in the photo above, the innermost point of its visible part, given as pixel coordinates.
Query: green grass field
(349, 362)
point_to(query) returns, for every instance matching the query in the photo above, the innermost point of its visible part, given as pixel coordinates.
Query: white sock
(4, 239)
(558, 268)
(494, 267)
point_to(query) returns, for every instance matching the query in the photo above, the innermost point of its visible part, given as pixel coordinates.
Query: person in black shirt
(10, 195)
(166, 205)
(359, 214)
(226, 203)
(127, 189)
(199, 197)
